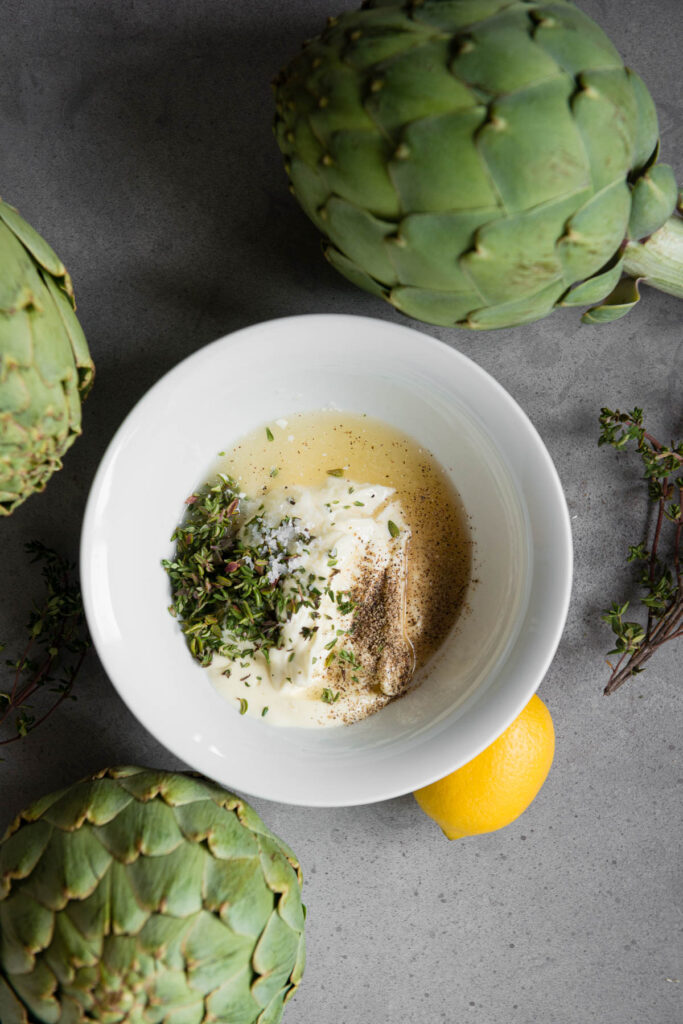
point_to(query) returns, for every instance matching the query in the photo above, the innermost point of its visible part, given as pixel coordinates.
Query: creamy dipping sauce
(390, 549)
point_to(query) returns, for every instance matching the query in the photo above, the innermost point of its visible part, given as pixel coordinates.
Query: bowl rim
(473, 708)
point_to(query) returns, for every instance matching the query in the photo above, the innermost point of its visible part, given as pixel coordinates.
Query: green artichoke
(45, 365)
(479, 162)
(145, 897)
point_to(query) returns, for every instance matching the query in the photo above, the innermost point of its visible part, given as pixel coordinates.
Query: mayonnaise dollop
(356, 552)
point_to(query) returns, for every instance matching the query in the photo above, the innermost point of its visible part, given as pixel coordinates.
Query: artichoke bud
(486, 117)
(140, 895)
(45, 366)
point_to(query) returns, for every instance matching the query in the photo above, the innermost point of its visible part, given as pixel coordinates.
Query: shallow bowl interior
(486, 670)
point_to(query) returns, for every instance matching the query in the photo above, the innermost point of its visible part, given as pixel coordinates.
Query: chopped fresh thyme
(328, 696)
(244, 706)
(235, 583)
(349, 657)
(335, 472)
(264, 712)
(393, 528)
(269, 434)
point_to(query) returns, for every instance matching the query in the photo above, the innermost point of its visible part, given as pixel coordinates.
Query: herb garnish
(661, 581)
(335, 472)
(57, 643)
(269, 434)
(235, 583)
(349, 657)
(393, 528)
(329, 697)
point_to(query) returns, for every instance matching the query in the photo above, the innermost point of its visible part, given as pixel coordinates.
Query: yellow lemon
(499, 784)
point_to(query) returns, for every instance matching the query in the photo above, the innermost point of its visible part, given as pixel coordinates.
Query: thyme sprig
(234, 579)
(660, 579)
(57, 643)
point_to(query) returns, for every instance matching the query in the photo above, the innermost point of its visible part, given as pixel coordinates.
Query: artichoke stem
(659, 260)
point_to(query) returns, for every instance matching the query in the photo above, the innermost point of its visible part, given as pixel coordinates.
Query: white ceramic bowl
(486, 670)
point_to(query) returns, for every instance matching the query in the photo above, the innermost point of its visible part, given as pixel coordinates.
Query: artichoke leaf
(227, 838)
(517, 255)
(310, 188)
(361, 237)
(21, 851)
(273, 1011)
(353, 273)
(413, 85)
(26, 928)
(92, 916)
(298, 969)
(69, 948)
(573, 39)
(19, 281)
(138, 828)
(355, 168)
(436, 307)
(427, 248)
(71, 868)
(214, 953)
(437, 165)
(453, 15)
(620, 302)
(79, 346)
(646, 141)
(382, 35)
(531, 146)
(521, 311)
(251, 902)
(126, 915)
(233, 1000)
(42, 253)
(338, 95)
(97, 803)
(276, 949)
(11, 1010)
(53, 353)
(501, 57)
(279, 872)
(653, 200)
(595, 233)
(72, 1013)
(290, 910)
(596, 287)
(171, 884)
(16, 343)
(37, 991)
(605, 114)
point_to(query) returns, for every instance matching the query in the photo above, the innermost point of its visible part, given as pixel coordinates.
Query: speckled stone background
(136, 136)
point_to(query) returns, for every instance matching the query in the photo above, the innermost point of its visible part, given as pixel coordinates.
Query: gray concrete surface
(136, 137)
